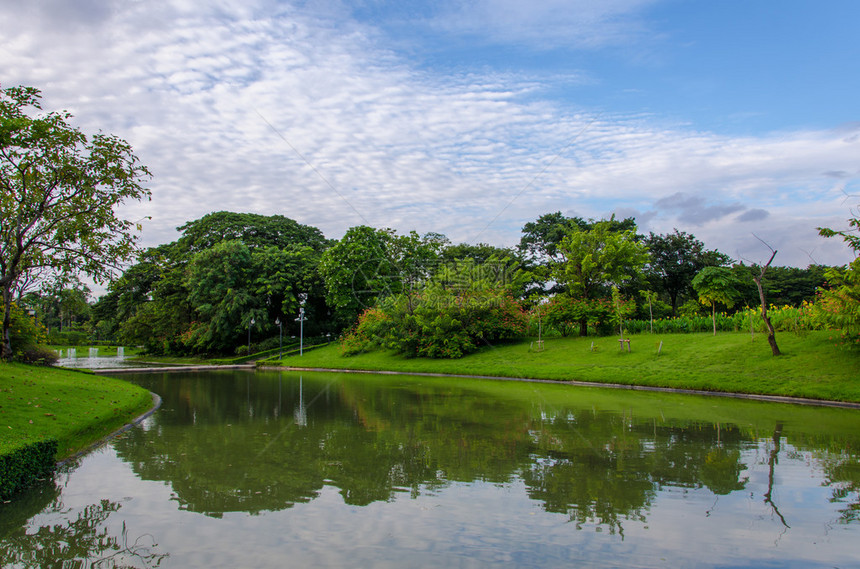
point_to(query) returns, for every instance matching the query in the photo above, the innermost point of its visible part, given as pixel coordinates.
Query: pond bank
(813, 366)
(65, 409)
(748, 396)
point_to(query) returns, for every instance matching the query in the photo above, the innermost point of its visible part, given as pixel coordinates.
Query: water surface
(269, 469)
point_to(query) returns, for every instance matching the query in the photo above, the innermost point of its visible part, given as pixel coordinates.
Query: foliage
(61, 304)
(368, 333)
(199, 293)
(457, 312)
(480, 253)
(25, 332)
(60, 189)
(20, 467)
(622, 308)
(675, 260)
(839, 306)
(716, 285)
(541, 238)
(37, 355)
(597, 258)
(254, 230)
(783, 285)
(540, 245)
(563, 312)
(368, 264)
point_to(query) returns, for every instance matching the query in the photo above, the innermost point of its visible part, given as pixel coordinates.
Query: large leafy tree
(597, 258)
(58, 192)
(676, 258)
(369, 263)
(199, 293)
(232, 285)
(541, 239)
(254, 230)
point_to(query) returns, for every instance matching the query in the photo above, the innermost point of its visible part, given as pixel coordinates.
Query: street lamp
(280, 338)
(301, 320)
(251, 323)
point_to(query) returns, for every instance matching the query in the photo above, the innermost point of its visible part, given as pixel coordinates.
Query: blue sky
(470, 118)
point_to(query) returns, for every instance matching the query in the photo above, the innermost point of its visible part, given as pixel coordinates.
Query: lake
(281, 469)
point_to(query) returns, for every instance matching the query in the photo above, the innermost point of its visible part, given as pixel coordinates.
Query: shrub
(69, 338)
(26, 335)
(368, 334)
(438, 323)
(38, 355)
(24, 465)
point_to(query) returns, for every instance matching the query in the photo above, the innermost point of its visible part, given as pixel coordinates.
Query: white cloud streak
(187, 86)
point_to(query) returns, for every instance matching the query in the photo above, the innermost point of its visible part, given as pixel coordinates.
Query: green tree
(839, 306)
(676, 258)
(565, 313)
(480, 253)
(539, 245)
(60, 189)
(369, 263)
(198, 294)
(597, 258)
(716, 284)
(252, 229)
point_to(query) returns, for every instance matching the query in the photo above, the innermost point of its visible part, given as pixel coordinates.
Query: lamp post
(251, 323)
(280, 338)
(301, 320)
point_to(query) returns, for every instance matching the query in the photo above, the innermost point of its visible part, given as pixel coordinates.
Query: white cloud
(548, 23)
(219, 103)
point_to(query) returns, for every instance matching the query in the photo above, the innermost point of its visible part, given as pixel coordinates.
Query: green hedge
(24, 465)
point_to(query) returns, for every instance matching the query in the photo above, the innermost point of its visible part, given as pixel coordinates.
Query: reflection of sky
(483, 525)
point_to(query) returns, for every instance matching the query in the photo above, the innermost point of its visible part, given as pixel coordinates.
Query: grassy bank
(73, 408)
(812, 366)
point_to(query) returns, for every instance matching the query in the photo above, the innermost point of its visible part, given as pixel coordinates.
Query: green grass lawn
(813, 365)
(74, 408)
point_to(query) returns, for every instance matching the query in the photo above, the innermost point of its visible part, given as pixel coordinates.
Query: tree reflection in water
(373, 442)
(629, 466)
(84, 539)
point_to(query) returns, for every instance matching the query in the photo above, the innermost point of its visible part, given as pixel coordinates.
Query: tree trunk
(773, 459)
(771, 333)
(6, 351)
(583, 327)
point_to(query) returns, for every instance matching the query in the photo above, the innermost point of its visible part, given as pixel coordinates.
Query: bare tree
(771, 333)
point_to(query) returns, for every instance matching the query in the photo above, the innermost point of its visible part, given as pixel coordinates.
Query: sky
(734, 121)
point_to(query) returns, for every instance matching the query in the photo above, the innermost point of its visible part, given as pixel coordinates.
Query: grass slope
(74, 408)
(812, 366)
